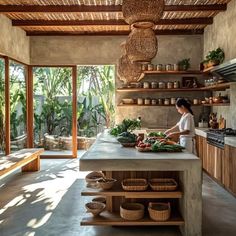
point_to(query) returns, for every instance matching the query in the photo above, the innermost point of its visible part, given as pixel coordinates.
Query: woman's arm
(174, 134)
(167, 132)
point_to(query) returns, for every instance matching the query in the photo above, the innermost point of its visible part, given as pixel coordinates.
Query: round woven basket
(141, 45)
(159, 211)
(142, 10)
(94, 176)
(131, 211)
(128, 71)
(95, 207)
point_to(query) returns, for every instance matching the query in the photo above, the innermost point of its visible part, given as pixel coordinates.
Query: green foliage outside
(2, 106)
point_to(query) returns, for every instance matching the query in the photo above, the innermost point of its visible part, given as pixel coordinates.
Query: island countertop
(107, 154)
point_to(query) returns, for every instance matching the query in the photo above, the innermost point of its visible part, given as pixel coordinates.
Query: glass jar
(170, 85)
(154, 85)
(144, 67)
(176, 67)
(167, 101)
(160, 101)
(159, 67)
(176, 84)
(162, 85)
(147, 101)
(154, 102)
(150, 67)
(140, 101)
(168, 67)
(146, 85)
(172, 101)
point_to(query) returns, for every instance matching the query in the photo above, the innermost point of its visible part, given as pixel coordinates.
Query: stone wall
(13, 41)
(87, 50)
(222, 34)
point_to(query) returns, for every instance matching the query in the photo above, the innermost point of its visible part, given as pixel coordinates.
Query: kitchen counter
(107, 155)
(229, 140)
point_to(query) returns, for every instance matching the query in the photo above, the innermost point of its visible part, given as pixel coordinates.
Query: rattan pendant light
(135, 11)
(141, 44)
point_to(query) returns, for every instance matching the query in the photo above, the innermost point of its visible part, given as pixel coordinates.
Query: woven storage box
(159, 211)
(95, 207)
(132, 211)
(163, 184)
(134, 184)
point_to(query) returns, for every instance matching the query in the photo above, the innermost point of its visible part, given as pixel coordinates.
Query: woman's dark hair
(182, 102)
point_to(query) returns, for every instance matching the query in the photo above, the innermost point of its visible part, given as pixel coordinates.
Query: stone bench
(26, 159)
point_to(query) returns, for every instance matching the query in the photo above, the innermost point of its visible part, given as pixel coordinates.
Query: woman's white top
(187, 123)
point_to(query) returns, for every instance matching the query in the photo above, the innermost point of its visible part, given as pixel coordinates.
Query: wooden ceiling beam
(99, 8)
(110, 33)
(189, 21)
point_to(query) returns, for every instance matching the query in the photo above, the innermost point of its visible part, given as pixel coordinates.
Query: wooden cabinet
(218, 163)
(211, 157)
(229, 168)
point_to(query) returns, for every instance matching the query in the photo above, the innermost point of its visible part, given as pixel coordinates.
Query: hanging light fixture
(135, 11)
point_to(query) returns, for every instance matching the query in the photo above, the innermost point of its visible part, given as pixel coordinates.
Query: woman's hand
(173, 136)
(167, 132)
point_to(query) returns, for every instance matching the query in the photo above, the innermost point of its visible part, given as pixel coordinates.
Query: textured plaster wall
(86, 50)
(222, 34)
(13, 41)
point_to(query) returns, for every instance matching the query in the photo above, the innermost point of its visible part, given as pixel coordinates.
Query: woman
(185, 126)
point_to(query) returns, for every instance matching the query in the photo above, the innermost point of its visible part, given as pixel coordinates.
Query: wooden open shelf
(217, 87)
(208, 105)
(126, 194)
(188, 72)
(114, 219)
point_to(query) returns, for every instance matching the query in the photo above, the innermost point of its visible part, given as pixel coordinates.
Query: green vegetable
(125, 126)
(156, 134)
(127, 137)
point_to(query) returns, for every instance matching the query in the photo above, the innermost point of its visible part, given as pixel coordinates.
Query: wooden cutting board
(222, 123)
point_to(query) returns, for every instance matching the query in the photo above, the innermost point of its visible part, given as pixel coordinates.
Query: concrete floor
(48, 203)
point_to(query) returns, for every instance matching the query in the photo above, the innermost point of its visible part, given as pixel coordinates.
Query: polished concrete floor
(48, 203)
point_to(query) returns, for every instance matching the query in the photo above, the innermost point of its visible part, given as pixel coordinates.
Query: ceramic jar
(146, 85)
(159, 67)
(167, 101)
(140, 101)
(154, 102)
(170, 85)
(147, 101)
(168, 67)
(150, 66)
(176, 84)
(154, 85)
(172, 101)
(162, 85)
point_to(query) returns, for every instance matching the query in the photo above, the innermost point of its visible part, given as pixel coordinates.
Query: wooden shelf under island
(114, 219)
(120, 163)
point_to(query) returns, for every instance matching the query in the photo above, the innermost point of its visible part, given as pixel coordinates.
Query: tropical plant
(184, 64)
(2, 106)
(216, 55)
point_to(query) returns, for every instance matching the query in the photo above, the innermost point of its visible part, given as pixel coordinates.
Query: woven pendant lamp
(135, 11)
(141, 45)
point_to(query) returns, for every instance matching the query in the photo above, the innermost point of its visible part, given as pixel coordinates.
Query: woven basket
(142, 10)
(128, 71)
(99, 199)
(134, 184)
(163, 184)
(131, 211)
(95, 207)
(94, 176)
(141, 45)
(106, 184)
(128, 144)
(159, 211)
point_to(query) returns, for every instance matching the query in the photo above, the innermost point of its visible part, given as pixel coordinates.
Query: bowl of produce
(127, 139)
(156, 135)
(144, 147)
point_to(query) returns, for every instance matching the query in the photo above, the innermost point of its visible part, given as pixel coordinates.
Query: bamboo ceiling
(104, 17)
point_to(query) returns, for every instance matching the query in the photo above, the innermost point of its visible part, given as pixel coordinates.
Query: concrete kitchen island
(109, 156)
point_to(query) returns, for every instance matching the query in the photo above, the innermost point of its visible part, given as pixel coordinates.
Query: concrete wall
(222, 34)
(13, 41)
(86, 50)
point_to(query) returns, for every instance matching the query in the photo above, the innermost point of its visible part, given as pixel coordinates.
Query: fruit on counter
(126, 137)
(156, 134)
(125, 126)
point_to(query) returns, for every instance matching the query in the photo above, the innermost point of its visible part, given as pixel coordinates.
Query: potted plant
(215, 57)
(184, 64)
